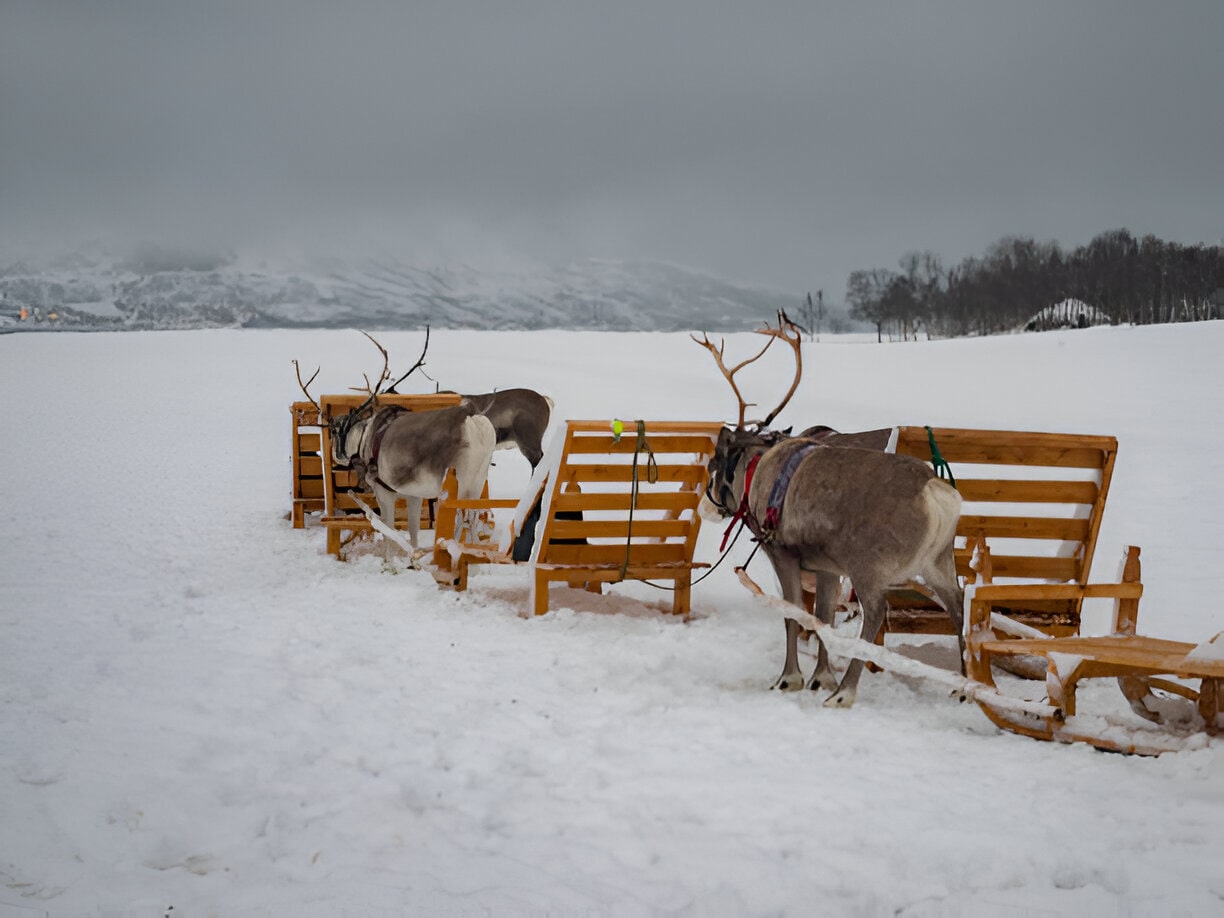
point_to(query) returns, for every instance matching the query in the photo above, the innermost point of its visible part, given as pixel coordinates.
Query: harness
(371, 440)
(763, 531)
(378, 426)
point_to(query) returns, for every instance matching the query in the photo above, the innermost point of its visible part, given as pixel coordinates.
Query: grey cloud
(779, 143)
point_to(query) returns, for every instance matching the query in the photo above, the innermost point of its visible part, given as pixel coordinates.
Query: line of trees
(1129, 280)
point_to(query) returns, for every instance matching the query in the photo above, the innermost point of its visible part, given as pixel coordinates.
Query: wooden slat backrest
(1041, 494)
(596, 476)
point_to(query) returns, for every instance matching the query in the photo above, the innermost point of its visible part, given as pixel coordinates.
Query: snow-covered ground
(202, 713)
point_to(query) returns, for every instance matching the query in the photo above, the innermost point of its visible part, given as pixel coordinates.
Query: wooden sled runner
(613, 507)
(1140, 664)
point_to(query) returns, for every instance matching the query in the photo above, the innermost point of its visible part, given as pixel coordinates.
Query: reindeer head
(736, 446)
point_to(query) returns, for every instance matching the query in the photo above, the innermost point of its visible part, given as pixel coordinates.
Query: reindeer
(402, 453)
(880, 519)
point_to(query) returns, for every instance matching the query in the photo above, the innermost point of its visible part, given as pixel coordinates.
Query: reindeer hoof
(839, 700)
(826, 680)
(792, 682)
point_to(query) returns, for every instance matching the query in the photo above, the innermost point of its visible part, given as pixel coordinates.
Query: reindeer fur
(520, 418)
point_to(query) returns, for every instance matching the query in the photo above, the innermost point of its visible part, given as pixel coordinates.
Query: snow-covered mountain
(159, 290)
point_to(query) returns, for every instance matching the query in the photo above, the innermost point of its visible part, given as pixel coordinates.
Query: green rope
(652, 475)
(938, 462)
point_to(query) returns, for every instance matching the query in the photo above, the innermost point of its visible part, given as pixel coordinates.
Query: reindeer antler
(306, 385)
(373, 391)
(789, 332)
(416, 366)
(784, 331)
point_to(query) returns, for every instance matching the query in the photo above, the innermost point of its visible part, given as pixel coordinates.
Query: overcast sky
(782, 144)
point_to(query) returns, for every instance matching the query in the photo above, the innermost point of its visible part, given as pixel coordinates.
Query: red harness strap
(743, 514)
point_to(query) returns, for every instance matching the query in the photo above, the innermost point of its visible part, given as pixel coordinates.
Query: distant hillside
(158, 290)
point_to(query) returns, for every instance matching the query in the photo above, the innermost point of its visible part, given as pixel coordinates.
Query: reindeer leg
(943, 583)
(828, 587)
(386, 511)
(786, 566)
(414, 518)
(874, 608)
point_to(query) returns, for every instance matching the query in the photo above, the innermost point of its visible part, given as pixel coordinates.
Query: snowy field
(202, 713)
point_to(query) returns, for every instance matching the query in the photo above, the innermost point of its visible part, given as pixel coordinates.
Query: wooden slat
(311, 487)
(1028, 592)
(710, 428)
(611, 573)
(1009, 454)
(1023, 527)
(309, 442)
(1024, 566)
(658, 443)
(311, 467)
(1027, 491)
(619, 529)
(334, 405)
(646, 500)
(600, 472)
(914, 439)
(577, 555)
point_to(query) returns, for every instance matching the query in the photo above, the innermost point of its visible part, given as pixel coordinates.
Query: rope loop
(938, 462)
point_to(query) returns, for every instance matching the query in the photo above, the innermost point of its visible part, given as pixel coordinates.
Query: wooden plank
(305, 414)
(676, 501)
(334, 405)
(309, 442)
(1023, 527)
(346, 478)
(578, 556)
(1077, 457)
(612, 474)
(1022, 566)
(1026, 491)
(612, 572)
(710, 428)
(1098, 511)
(620, 529)
(914, 439)
(311, 467)
(1138, 653)
(311, 488)
(658, 443)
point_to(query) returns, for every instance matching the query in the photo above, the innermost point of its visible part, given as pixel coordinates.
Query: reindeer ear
(786, 432)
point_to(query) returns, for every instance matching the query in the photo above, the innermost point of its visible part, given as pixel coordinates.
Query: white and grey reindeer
(401, 453)
(880, 519)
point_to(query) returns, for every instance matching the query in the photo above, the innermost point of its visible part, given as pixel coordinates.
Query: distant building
(1070, 313)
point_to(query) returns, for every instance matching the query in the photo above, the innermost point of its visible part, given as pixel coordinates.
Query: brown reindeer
(400, 453)
(880, 519)
(520, 417)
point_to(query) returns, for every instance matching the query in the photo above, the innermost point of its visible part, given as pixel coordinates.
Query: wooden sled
(613, 507)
